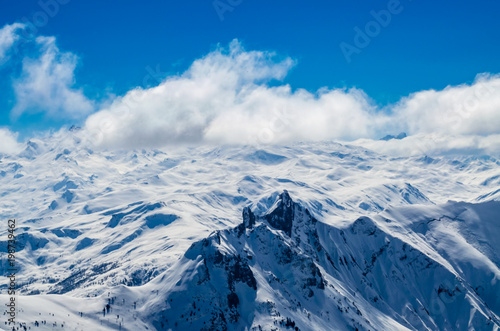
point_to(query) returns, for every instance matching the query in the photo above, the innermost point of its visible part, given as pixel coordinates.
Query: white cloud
(224, 98)
(466, 109)
(45, 84)
(8, 142)
(8, 36)
(462, 119)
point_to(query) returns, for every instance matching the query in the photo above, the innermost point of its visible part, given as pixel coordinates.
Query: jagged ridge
(285, 268)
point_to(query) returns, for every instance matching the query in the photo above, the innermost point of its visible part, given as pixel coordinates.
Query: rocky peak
(248, 218)
(281, 214)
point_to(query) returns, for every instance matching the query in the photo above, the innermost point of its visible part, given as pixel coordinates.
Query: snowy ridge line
(285, 269)
(301, 263)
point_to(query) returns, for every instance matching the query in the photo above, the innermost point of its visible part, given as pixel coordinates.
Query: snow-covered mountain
(285, 269)
(317, 236)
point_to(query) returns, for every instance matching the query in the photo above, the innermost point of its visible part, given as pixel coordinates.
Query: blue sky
(426, 45)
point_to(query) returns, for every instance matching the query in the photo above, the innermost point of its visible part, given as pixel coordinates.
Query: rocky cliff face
(222, 280)
(286, 270)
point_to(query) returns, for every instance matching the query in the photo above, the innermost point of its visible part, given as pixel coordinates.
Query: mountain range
(308, 236)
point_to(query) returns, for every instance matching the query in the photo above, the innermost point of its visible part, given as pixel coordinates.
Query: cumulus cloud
(466, 109)
(8, 36)
(224, 98)
(462, 119)
(8, 142)
(46, 84)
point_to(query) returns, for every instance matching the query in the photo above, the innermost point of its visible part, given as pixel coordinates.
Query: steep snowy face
(219, 286)
(286, 269)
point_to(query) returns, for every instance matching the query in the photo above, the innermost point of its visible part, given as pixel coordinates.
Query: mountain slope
(94, 225)
(286, 268)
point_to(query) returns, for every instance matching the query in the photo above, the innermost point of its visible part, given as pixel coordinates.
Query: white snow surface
(364, 241)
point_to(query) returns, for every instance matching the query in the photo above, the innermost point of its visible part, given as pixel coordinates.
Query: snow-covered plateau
(307, 236)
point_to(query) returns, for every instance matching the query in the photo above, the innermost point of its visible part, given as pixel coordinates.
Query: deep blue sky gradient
(429, 45)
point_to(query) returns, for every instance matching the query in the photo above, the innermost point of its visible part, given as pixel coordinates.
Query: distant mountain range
(316, 236)
(401, 135)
